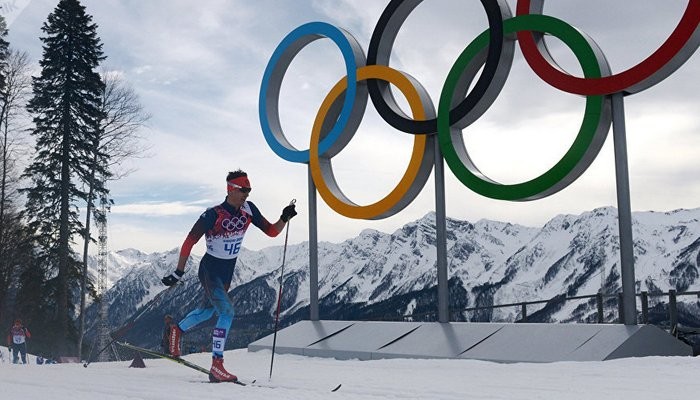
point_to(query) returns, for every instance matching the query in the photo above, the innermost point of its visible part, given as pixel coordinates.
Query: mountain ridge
(392, 275)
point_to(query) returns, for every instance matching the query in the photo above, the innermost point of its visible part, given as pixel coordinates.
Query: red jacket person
(17, 341)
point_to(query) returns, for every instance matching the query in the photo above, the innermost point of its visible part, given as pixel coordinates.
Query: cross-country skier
(17, 341)
(224, 227)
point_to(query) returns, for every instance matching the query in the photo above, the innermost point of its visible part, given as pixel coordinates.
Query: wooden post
(645, 307)
(621, 306)
(672, 309)
(599, 303)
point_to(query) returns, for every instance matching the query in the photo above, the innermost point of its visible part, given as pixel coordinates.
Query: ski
(178, 360)
(196, 367)
(254, 383)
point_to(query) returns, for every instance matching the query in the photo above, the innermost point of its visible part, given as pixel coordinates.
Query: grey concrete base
(482, 341)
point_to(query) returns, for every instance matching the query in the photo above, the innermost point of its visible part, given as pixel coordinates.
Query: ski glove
(172, 278)
(288, 213)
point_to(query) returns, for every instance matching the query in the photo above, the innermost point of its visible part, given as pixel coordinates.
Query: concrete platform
(482, 341)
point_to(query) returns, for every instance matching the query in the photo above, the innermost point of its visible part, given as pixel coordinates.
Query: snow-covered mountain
(379, 275)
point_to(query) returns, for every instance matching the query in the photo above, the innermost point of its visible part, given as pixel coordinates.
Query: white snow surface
(298, 377)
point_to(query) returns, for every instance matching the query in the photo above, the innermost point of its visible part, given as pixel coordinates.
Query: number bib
(18, 335)
(224, 240)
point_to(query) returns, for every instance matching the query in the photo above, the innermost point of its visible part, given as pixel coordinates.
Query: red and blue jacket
(18, 335)
(224, 228)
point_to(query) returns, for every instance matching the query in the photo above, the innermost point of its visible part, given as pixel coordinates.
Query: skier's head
(18, 322)
(237, 187)
(237, 180)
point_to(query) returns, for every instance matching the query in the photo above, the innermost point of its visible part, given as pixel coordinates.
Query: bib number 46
(233, 248)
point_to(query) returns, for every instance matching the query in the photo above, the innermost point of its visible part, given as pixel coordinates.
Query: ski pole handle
(288, 212)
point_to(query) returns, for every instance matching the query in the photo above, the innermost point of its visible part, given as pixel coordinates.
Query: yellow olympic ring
(422, 156)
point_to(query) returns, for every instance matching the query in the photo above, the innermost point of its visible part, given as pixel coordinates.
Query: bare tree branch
(13, 119)
(121, 127)
(119, 140)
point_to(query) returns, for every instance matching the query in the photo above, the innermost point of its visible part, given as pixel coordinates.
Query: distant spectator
(17, 340)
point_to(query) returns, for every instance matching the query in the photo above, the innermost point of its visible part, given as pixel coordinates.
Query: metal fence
(600, 300)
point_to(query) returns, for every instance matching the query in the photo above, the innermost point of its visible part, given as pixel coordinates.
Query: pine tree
(4, 51)
(66, 116)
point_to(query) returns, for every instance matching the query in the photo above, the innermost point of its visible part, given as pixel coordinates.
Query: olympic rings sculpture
(491, 52)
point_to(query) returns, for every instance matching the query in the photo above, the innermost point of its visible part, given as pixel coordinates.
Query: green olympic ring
(584, 149)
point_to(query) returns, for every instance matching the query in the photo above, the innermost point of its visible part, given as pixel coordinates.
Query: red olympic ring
(677, 48)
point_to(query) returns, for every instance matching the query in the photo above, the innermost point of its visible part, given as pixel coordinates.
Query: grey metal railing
(642, 317)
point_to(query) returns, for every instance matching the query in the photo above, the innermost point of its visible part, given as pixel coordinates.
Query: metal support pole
(645, 307)
(599, 303)
(523, 312)
(313, 251)
(624, 212)
(621, 307)
(441, 235)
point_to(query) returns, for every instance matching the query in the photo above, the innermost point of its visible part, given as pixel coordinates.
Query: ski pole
(279, 294)
(115, 336)
(127, 327)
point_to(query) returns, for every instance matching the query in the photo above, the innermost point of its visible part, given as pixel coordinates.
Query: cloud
(198, 68)
(158, 209)
(10, 9)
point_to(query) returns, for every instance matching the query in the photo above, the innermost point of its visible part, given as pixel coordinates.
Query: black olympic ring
(485, 91)
(337, 119)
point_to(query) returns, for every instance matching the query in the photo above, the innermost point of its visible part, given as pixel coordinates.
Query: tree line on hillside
(64, 135)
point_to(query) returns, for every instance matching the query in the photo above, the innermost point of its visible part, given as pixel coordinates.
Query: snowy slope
(305, 378)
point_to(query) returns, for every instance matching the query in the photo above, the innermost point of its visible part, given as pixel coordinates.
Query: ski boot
(218, 373)
(174, 341)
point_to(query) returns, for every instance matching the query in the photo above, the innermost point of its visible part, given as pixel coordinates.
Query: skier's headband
(241, 183)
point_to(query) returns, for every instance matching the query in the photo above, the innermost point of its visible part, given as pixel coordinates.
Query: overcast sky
(197, 67)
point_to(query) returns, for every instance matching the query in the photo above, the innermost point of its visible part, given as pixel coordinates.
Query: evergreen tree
(66, 116)
(4, 52)
(28, 279)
